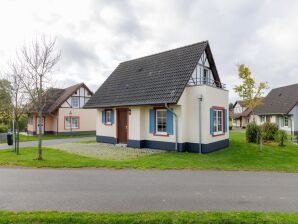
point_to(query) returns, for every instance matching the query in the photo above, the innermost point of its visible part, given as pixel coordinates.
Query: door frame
(117, 122)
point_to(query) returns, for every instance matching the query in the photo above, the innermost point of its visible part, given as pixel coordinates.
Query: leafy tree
(5, 101)
(249, 91)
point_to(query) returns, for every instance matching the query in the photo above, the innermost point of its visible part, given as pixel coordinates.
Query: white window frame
(263, 119)
(67, 122)
(156, 122)
(77, 105)
(30, 120)
(216, 130)
(108, 117)
(286, 118)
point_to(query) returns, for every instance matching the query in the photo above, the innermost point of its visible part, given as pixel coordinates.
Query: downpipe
(176, 126)
(200, 98)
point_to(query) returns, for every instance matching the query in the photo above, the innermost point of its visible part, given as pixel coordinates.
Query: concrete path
(48, 142)
(132, 190)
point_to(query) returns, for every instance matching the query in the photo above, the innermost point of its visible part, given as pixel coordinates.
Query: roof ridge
(285, 86)
(173, 49)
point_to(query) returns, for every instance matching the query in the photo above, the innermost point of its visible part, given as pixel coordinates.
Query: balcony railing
(204, 81)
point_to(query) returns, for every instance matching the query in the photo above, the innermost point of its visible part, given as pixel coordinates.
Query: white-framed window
(72, 122)
(75, 102)
(286, 121)
(161, 121)
(108, 117)
(218, 122)
(263, 119)
(30, 120)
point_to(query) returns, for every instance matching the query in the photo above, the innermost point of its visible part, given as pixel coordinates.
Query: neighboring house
(153, 102)
(240, 114)
(280, 106)
(63, 112)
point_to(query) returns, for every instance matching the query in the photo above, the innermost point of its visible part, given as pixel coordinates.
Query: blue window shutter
(151, 121)
(211, 121)
(112, 117)
(170, 130)
(225, 120)
(103, 117)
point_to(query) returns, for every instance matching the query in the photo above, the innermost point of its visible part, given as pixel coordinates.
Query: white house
(172, 100)
(280, 106)
(241, 114)
(63, 112)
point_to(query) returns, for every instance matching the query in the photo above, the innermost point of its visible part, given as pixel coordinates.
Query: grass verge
(238, 156)
(148, 217)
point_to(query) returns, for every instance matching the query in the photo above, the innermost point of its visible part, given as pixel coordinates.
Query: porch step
(121, 145)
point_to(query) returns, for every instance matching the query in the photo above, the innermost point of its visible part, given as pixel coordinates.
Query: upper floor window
(161, 121)
(75, 102)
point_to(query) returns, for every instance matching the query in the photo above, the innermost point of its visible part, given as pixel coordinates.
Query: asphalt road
(132, 190)
(48, 142)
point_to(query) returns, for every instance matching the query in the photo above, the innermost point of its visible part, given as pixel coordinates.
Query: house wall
(87, 119)
(294, 112)
(187, 110)
(293, 118)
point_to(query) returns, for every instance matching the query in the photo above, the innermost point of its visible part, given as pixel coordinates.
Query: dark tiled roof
(55, 97)
(155, 79)
(243, 114)
(279, 101)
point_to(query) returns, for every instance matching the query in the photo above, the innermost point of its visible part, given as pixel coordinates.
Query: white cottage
(280, 106)
(172, 100)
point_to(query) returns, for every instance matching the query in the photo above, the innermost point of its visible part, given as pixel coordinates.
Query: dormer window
(75, 102)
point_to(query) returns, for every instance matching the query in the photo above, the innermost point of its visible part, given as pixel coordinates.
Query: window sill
(108, 124)
(161, 135)
(216, 135)
(71, 128)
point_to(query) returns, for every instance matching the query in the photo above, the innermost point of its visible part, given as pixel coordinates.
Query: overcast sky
(95, 35)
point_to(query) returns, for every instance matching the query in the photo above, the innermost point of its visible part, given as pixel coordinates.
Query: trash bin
(9, 139)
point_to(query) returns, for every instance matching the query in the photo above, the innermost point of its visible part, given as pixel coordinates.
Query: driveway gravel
(105, 151)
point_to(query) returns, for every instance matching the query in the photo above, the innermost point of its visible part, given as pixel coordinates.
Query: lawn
(26, 138)
(239, 156)
(148, 217)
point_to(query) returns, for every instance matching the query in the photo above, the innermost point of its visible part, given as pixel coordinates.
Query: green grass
(148, 217)
(25, 138)
(239, 156)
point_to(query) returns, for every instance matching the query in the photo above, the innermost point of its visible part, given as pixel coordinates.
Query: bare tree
(38, 61)
(18, 98)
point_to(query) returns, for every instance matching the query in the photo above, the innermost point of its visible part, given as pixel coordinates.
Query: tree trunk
(40, 135)
(17, 136)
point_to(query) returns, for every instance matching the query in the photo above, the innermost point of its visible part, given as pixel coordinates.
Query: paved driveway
(132, 190)
(49, 142)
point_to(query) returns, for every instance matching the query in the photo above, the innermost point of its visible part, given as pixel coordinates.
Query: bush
(269, 131)
(230, 127)
(252, 132)
(281, 137)
(3, 128)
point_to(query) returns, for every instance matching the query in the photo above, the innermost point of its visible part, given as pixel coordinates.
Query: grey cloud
(76, 52)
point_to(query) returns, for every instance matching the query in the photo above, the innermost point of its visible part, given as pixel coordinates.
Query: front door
(122, 126)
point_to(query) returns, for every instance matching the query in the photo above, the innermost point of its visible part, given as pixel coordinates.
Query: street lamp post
(70, 113)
